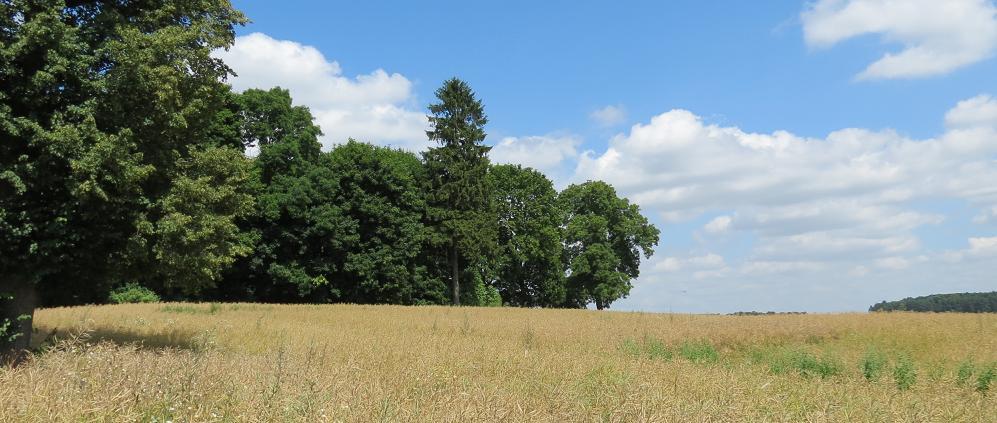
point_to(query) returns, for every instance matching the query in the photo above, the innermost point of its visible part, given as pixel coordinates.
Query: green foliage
(904, 373)
(460, 199)
(212, 308)
(873, 364)
(102, 104)
(986, 378)
(698, 352)
(486, 296)
(604, 236)
(969, 302)
(529, 270)
(383, 234)
(805, 364)
(132, 293)
(965, 372)
(649, 347)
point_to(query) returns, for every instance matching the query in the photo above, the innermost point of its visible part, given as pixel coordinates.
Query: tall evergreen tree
(460, 199)
(105, 174)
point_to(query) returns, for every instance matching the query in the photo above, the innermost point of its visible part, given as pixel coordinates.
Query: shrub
(132, 293)
(873, 364)
(806, 364)
(904, 374)
(486, 296)
(985, 378)
(964, 373)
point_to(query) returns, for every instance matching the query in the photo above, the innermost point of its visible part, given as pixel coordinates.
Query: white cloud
(609, 115)
(718, 225)
(377, 107)
(937, 36)
(844, 204)
(545, 153)
(703, 262)
(893, 263)
(983, 245)
(770, 267)
(979, 111)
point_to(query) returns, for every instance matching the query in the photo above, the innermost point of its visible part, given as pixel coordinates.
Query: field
(254, 362)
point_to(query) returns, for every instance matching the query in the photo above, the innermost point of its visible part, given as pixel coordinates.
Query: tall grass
(249, 362)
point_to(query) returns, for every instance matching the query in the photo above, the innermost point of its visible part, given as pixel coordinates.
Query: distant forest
(968, 302)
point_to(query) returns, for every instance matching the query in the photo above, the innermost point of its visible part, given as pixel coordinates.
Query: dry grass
(250, 362)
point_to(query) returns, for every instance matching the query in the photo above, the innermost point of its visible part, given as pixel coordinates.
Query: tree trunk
(454, 275)
(19, 312)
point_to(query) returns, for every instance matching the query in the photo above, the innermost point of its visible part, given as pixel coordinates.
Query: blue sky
(813, 156)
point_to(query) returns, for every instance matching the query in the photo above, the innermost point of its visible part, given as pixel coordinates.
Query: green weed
(873, 364)
(985, 378)
(699, 352)
(964, 373)
(904, 374)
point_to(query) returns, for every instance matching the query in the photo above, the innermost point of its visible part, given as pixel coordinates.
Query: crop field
(256, 362)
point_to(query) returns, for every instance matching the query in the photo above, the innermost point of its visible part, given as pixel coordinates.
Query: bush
(986, 377)
(873, 364)
(965, 372)
(904, 374)
(806, 364)
(132, 293)
(486, 296)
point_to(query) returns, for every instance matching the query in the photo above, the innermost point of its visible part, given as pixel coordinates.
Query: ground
(254, 362)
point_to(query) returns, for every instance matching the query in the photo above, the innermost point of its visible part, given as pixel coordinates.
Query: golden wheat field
(254, 362)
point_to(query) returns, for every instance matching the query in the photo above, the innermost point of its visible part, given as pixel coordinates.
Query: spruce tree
(459, 195)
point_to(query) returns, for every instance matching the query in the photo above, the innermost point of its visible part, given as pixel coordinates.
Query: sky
(814, 156)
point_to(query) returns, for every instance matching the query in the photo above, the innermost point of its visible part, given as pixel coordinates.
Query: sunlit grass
(256, 362)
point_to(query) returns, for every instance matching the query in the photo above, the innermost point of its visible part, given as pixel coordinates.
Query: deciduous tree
(104, 109)
(604, 236)
(529, 269)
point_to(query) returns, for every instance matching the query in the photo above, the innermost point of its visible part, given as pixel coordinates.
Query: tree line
(967, 302)
(123, 161)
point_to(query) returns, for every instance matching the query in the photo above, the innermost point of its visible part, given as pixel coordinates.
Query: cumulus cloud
(937, 37)
(549, 153)
(979, 111)
(844, 204)
(609, 115)
(377, 107)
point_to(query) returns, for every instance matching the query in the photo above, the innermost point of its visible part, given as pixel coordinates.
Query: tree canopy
(604, 236)
(105, 112)
(966, 302)
(529, 269)
(128, 162)
(459, 194)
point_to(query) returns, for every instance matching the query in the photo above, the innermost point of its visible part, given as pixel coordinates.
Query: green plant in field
(656, 349)
(650, 347)
(132, 293)
(631, 348)
(699, 352)
(804, 363)
(965, 372)
(904, 374)
(985, 378)
(213, 308)
(873, 364)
